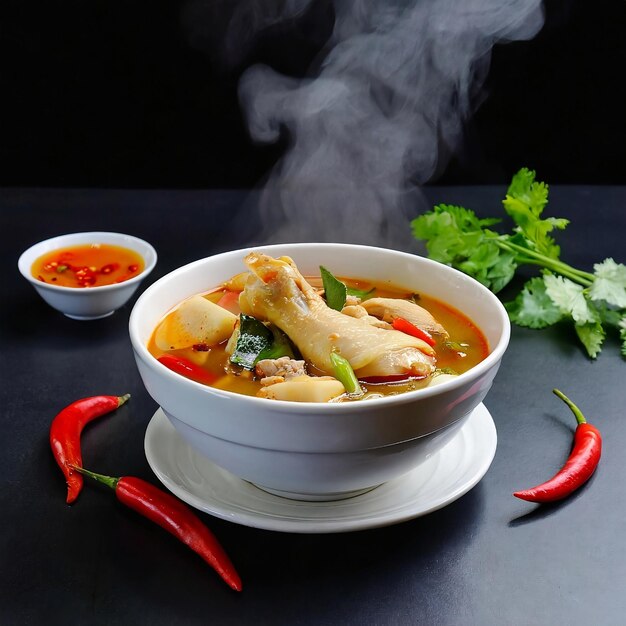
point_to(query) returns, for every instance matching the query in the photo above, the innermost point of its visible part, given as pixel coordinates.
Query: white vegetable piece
(196, 320)
(441, 378)
(304, 389)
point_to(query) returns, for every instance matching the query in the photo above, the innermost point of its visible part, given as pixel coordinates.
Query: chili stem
(122, 399)
(109, 481)
(580, 418)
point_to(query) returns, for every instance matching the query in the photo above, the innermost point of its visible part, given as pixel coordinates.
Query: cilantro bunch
(594, 302)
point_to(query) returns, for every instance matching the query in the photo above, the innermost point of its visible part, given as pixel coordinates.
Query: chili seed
(110, 267)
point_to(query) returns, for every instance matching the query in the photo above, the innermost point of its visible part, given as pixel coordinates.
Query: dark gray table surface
(487, 558)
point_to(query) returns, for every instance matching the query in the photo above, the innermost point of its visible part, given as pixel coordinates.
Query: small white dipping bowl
(323, 451)
(89, 303)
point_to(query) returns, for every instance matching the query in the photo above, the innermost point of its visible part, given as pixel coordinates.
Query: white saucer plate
(438, 481)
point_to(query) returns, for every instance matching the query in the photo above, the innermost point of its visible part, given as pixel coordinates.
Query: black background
(111, 93)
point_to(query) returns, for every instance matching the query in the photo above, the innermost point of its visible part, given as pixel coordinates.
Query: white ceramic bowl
(320, 451)
(93, 302)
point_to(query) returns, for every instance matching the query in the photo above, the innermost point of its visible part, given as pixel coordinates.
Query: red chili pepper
(579, 466)
(109, 267)
(175, 517)
(188, 369)
(386, 380)
(65, 433)
(405, 326)
(85, 276)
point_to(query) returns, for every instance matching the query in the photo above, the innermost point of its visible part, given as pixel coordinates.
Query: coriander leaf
(334, 290)
(609, 283)
(592, 336)
(524, 202)
(570, 298)
(622, 334)
(457, 237)
(501, 273)
(524, 188)
(533, 307)
(609, 316)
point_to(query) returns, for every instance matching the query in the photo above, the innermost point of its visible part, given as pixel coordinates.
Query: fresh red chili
(579, 466)
(405, 326)
(187, 368)
(386, 380)
(175, 517)
(65, 433)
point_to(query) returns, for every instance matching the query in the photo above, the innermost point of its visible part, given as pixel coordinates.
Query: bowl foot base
(315, 497)
(83, 318)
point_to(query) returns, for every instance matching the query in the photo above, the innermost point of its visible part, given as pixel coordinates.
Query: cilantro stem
(531, 257)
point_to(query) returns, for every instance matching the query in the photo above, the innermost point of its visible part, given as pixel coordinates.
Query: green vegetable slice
(345, 374)
(281, 346)
(256, 341)
(254, 337)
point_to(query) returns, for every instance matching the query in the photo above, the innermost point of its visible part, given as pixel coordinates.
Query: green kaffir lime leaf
(335, 291)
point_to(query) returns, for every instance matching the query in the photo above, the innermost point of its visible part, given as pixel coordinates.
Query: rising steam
(381, 115)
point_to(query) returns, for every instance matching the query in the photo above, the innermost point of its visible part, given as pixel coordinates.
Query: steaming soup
(270, 332)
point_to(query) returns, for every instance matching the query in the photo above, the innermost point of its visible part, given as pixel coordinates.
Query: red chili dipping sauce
(88, 265)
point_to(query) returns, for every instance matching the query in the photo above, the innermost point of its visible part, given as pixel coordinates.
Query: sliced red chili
(578, 468)
(410, 329)
(187, 369)
(386, 380)
(85, 276)
(133, 268)
(175, 517)
(109, 268)
(65, 433)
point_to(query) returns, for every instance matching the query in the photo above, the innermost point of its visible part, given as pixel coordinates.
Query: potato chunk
(304, 389)
(196, 320)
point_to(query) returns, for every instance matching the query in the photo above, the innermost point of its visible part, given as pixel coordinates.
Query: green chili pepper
(345, 374)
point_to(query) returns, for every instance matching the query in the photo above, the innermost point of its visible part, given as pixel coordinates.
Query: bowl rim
(60, 241)
(310, 408)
